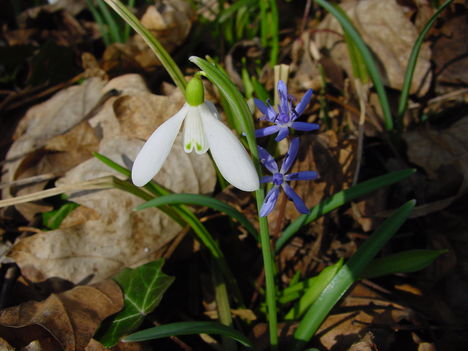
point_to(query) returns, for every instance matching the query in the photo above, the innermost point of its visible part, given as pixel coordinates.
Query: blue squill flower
(280, 178)
(286, 116)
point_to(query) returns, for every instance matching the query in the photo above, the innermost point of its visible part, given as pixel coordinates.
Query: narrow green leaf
(401, 262)
(143, 289)
(368, 59)
(403, 103)
(188, 328)
(155, 46)
(339, 199)
(312, 289)
(53, 219)
(357, 62)
(201, 200)
(348, 274)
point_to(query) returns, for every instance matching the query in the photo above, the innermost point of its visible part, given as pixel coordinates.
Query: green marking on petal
(188, 146)
(199, 147)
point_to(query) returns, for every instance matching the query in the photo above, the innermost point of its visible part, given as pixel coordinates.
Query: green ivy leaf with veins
(143, 289)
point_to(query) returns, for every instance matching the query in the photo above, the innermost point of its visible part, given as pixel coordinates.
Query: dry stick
(94, 184)
(29, 180)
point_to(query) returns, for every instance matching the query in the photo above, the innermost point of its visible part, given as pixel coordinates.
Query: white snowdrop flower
(203, 131)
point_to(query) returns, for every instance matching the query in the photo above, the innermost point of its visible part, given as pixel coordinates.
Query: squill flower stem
(270, 271)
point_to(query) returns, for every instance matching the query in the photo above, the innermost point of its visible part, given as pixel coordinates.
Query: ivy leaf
(143, 289)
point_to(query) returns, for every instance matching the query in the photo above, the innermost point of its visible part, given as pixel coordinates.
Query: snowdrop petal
(156, 149)
(232, 159)
(194, 135)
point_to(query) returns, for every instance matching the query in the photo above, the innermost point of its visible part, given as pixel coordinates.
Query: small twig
(29, 180)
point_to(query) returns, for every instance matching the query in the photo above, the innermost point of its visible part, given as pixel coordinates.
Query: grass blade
(201, 200)
(188, 328)
(401, 262)
(403, 103)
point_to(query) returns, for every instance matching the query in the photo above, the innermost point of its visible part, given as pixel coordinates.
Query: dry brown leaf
(71, 317)
(169, 21)
(362, 311)
(80, 250)
(41, 124)
(450, 52)
(389, 34)
(443, 154)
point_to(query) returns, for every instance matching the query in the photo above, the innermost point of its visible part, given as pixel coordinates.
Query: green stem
(161, 53)
(268, 263)
(222, 305)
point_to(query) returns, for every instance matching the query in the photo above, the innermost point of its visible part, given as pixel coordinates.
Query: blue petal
(267, 160)
(266, 179)
(283, 133)
(304, 175)
(266, 131)
(266, 109)
(304, 102)
(300, 205)
(304, 126)
(283, 96)
(270, 201)
(290, 156)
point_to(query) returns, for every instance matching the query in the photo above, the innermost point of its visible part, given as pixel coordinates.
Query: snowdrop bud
(195, 93)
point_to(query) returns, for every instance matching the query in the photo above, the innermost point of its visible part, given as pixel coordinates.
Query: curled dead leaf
(70, 318)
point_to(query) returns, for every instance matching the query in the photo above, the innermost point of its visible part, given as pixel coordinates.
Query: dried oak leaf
(389, 34)
(70, 318)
